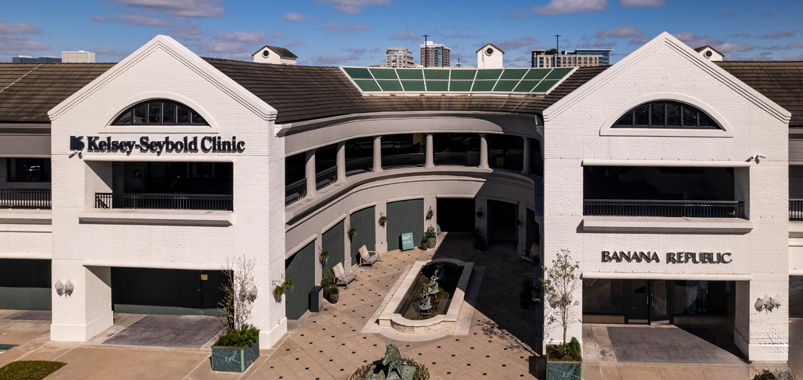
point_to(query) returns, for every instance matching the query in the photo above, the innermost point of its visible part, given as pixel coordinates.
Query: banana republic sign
(187, 144)
(671, 257)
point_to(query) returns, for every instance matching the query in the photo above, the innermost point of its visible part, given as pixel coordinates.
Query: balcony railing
(457, 159)
(506, 161)
(29, 199)
(796, 209)
(325, 178)
(403, 160)
(671, 209)
(359, 165)
(295, 191)
(156, 201)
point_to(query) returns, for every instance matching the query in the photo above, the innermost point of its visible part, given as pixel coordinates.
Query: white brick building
(166, 165)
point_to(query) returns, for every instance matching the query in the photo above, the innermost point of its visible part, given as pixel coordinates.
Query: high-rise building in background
(79, 56)
(436, 55)
(399, 57)
(577, 58)
(31, 59)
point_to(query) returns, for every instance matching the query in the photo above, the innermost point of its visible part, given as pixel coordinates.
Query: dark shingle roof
(309, 92)
(781, 81)
(29, 90)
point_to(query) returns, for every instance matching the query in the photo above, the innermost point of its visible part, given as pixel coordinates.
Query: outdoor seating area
(366, 259)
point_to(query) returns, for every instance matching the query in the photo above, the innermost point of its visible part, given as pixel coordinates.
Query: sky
(357, 32)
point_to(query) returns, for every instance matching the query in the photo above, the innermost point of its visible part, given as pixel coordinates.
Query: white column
(341, 161)
(87, 311)
(430, 155)
(377, 154)
(309, 173)
(526, 166)
(483, 151)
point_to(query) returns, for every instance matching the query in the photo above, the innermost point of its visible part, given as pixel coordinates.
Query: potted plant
(238, 347)
(334, 294)
(477, 240)
(282, 288)
(327, 282)
(560, 285)
(324, 257)
(430, 214)
(424, 242)
(432, 237)
(383, 220)
(352, 232)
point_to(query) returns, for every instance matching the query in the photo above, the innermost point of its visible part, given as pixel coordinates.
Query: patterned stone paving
(329, 344)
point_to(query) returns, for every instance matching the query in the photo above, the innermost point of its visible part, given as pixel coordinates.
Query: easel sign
(407, 241)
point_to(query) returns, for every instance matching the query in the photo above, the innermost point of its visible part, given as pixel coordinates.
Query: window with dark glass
(160, 112)
(28, 169)
(666, 114)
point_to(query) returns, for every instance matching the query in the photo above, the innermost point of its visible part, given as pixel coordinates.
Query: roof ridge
(20, 78)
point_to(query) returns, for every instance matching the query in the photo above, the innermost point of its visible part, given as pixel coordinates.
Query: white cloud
(354, 6)
(234, 45)
(696, 41)
(134, 19)
(294, 17)
(636, 36)
(407, 35)
(570, 6)
(516, 13)
(185, 8)
(779, 35)
(516, 43)
(339, 26)
(642, 3)
(14, 39)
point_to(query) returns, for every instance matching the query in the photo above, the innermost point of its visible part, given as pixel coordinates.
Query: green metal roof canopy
(513, 81)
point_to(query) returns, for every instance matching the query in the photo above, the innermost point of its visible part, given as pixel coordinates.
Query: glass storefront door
(660, 302)
(638, 301)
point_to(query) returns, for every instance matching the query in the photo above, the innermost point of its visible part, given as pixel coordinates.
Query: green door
(300, 268)
(405, 216)
(333, 241)
(25, 284)
(167, 291)
(365, 222)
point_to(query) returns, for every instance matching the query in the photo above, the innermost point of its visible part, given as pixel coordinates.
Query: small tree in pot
(560, 286)
(328, 282)
(432, 237)
(238, 348)
(334, 294)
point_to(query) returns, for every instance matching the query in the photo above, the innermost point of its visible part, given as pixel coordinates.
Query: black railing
(796, 209)
(156, 201)
(403, 160)
(325, 178)
(25, 199)
(295, 191)
(506, 161)
(671, 209)
(457, 159)
(359, 165)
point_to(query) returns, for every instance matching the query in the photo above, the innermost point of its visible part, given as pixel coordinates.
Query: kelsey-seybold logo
(186, 144)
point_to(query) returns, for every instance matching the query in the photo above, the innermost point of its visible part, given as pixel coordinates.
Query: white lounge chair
(341, 278)
(366, 258)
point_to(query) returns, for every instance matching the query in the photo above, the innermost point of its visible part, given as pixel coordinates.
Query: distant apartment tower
(577, 58)
(436, 55)
(399, 57)
(79, 56)
(31, 59)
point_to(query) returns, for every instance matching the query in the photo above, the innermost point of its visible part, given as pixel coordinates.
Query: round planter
(432, 242)
(334, 297)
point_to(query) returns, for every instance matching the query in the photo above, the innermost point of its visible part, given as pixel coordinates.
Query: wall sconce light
(479, 213)
(252, 293)
(59, 287)
(767, 303)
(68, 288)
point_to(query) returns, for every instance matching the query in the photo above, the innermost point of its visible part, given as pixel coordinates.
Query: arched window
(666, 114)
(160, 112)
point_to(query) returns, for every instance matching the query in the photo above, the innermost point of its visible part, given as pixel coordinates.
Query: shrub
(29, 369)
(244, 336)
(431, 232)
(334, 290)
(569, 352)
(328, 278)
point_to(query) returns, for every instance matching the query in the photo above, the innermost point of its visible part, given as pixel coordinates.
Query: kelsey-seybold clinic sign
(671, 257)
(186, 144)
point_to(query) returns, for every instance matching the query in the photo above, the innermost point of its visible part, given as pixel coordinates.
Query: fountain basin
(392, 316)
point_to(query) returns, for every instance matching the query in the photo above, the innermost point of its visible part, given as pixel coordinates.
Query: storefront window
(604, 297)
(28, 170)
(702, 297)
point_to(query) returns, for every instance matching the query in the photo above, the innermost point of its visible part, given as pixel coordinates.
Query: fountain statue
(432, 287)
(392, 367)
(426, 302)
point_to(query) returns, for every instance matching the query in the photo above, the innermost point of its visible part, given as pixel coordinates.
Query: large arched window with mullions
(666, 114)
(160, 112)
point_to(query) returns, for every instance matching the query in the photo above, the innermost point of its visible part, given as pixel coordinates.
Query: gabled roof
(308, 92)
(701, 48)
(282, 52)
(781, 81)
(495, 47)
(29, 90)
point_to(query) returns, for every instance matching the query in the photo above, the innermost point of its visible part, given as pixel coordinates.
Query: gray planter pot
(234, 359)
(432, 242)
(556, 370)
